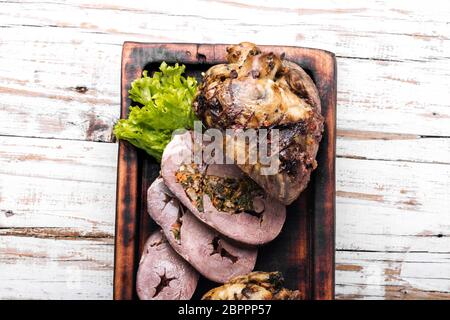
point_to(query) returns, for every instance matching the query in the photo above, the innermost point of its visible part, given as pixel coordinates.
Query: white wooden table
(59, 97)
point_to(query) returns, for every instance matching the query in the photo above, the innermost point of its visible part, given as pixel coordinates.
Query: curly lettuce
(165, 100)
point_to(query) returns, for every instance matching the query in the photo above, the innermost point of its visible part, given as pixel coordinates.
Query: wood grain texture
(306, 258)
(55, 268)
(57, 183)
(60, 78)
(392, 275)
(56, 218)
(407, 51)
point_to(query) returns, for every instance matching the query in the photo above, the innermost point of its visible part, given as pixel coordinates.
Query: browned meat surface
(162, 273)
(253, 286)
(214, 256)
(262, 90)
(221, 196)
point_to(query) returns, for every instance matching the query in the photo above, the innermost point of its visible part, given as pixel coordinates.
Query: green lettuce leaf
(166, 99)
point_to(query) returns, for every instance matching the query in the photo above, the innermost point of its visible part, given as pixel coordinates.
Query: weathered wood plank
(394, 97)
(381, 205)
(355, 29)
(82, 269)
(393, 66)
(392, 206)
(49, 187)
(57, 183)
(393, 147)
(387, 275)
(79, 82)
(47, 107)
(73, 95)
(48, 268)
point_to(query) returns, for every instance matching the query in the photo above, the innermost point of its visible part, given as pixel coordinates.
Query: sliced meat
(162, 273)
(252, 217)
(214, 256)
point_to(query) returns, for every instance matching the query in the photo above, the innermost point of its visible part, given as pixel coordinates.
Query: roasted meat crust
(262, 90)
(253, 286)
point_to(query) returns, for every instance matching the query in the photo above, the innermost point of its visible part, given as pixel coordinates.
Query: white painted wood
(372, 146)
(40, 268)
(378, 208)
(88, 54)
(392, 206)
(387, 275)
(57, 197)
(395, 97)
(375, 30)
(57, 183)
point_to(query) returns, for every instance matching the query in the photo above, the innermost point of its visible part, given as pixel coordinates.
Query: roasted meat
(253, 286)
(162, 273)
(221, 195)
(262, 90)
(215, 257)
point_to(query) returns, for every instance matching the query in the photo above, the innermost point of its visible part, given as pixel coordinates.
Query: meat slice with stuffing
(162, 273)
(221, 195)
(215, 257)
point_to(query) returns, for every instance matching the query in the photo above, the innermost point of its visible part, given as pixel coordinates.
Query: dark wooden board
(305, 249)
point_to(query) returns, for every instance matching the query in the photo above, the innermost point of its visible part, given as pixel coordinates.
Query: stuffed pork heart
(215, 257)
(220, 195)
(162, 273)
(262, 90)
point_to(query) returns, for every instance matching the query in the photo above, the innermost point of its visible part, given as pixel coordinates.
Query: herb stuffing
(164, 106)
(226, 194)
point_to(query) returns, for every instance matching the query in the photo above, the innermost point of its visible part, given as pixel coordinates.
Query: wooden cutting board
(305, 249)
